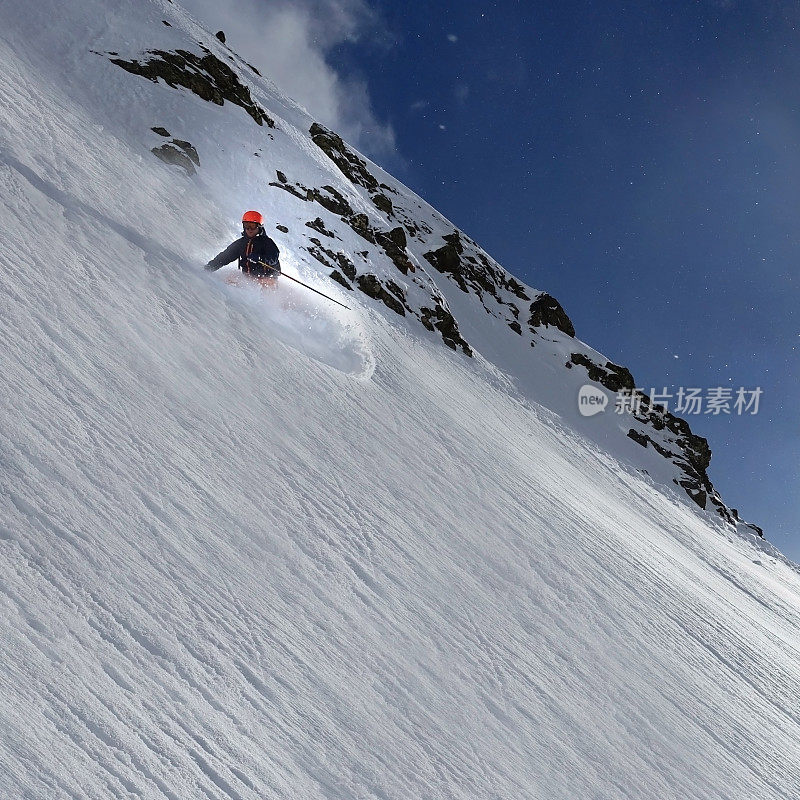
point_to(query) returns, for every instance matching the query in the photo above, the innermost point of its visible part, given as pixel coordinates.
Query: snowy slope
(256, 546)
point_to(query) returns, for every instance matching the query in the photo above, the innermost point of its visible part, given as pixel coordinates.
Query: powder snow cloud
(290, 42)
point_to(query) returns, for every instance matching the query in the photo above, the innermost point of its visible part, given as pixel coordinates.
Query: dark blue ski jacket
(249, 250)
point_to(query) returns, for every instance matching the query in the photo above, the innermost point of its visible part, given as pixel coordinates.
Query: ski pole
(284, 275)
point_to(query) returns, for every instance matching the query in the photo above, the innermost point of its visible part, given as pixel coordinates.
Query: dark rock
(360, 224)
(187, 148)
(383, 203)
(398, 237)
(282, 228)
(546, 310)
(758, 531)
(319, 254)
(396, 291)
(611, 376)
(447, 260)
(339, 278)
(372, 287)
(517, 288)
(689, 452)
(160, 131)
(696, 492)
(332, 200)
(172, 155)
(394, 243)
(298, 191)
(468, 271)
(221, 36)
(206, 76)
(351, 166)
(441, 320)
(414, 228)
(637, 437)
(347, 265)
(329, 258)
(319, 226)
(281, 177)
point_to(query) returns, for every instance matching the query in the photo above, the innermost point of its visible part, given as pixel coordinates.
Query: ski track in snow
(256, 547)
(304, 321)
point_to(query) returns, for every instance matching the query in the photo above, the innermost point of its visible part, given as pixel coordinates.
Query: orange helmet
(252, 216)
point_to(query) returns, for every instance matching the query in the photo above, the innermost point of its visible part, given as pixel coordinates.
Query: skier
(258, 255)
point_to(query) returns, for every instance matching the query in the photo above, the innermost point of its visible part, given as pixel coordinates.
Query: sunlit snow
(255, 545)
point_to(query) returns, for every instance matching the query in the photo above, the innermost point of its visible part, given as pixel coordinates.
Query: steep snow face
(258, 546)
(190, 101)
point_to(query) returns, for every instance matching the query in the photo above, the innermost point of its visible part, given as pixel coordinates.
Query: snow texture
(255, 545)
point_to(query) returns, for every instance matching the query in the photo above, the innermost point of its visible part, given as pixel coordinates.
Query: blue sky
(638, 160)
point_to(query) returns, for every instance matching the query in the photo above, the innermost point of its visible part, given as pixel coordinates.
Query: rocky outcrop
(670, 436)
(352, 166)
(333, 259)
(393, 242)
(441, 320)
(349, 164)
(372, 287)
(546, 310)
(204, 75)
(319, 226)
(471, 270)
(612, 376)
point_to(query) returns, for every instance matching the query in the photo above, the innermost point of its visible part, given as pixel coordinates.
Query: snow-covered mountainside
(257, 545)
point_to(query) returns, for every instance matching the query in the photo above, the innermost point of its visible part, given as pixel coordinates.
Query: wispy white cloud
(291, 41)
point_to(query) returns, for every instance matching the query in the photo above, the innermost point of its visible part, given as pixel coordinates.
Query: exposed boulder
(332, 200)
(394, 244)
(612, 376)
(372, 287)
(383, 203)
(179, 153)
(441, 320)
(472, 270)
(189, 149)
(298, 190)
(447, 260)
(340, 279)
(360, 224)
